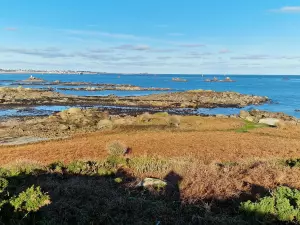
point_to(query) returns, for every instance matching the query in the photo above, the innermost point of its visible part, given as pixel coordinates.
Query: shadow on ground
(95, 200)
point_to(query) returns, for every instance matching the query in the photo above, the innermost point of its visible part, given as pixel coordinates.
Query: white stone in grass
(270, 121)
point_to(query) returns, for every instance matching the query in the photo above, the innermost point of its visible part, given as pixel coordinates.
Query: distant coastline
(71, 72)
(2, 71)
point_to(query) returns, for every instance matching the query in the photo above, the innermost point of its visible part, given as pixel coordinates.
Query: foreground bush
(30, 200)
(283, 205)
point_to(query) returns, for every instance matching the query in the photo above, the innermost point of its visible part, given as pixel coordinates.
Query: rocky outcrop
(269, 118)
(188, 99)
(115, 88)
(61, 124)
(19, 94)
(227, 79)
(33, 79)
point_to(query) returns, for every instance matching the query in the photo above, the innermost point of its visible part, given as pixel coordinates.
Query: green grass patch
(250, 126)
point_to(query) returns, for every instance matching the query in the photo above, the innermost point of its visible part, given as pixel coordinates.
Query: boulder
(244, 114)
(277, 115)
(221, 116)
(270, 121)
(63, 127)
(152, 183)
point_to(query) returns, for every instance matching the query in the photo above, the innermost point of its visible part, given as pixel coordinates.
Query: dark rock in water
(215, 79)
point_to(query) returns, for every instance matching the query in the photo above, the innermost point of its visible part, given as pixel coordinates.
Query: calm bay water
(284, 93)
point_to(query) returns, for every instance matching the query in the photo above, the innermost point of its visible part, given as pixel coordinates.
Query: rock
(276, 115)
(63, 127)
(250, 118)
(244, 114)
(104, 124)
(152, 182)
(221, 116)
(270, 121)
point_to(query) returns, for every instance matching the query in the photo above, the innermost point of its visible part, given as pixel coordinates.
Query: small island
(215, 79)
(33, 79)
(177, 79)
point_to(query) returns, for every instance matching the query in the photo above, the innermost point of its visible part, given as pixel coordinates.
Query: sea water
(282, 90)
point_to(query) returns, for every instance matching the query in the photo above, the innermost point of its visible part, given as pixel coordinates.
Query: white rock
(270, 121)
(152, 182)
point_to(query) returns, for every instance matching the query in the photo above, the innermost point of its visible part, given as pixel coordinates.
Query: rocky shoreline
(88, 86)
(190, 99)
(115, 88)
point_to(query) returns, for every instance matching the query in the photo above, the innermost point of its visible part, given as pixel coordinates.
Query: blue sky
(155, 36)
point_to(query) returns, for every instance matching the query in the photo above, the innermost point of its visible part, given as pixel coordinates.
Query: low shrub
(57, 167)
(102, 171)
(142, 165)
(116, 148)
(115, 161)
(30, 200)
(24, 167)
(81, 167)
(283, 205)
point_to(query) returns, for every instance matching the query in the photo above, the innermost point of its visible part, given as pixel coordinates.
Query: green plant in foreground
(283, 205)
(118, 180)
(56, 167)
(81, 167)
(3, 184)
(30, 200)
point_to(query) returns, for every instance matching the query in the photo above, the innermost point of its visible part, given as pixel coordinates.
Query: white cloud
(103, 34)
(191, 45)
(133, 47)
(288, 9)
